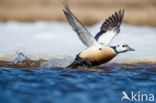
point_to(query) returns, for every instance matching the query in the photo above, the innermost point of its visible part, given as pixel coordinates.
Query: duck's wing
(110, 28)
(79, 28)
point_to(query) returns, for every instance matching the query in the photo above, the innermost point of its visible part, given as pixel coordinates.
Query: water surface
(102, 84)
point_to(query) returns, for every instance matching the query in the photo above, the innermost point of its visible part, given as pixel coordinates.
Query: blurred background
(138, 12)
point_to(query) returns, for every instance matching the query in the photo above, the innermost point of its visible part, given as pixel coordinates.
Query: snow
(52, 39)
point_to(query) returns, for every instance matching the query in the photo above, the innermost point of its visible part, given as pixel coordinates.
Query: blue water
(102, 84)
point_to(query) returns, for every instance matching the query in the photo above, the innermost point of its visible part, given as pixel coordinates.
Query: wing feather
(79, 28)
(110, 28)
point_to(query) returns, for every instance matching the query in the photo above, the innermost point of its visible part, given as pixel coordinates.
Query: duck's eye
(100, 48)
(124, 45)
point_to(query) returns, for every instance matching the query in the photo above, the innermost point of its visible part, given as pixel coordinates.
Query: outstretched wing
(79, 28)
(110, 28)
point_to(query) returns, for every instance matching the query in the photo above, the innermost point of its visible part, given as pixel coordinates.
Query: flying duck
(98, 50)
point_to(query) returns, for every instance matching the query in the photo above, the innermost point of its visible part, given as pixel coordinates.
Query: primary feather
(79, 28)
(110, 28)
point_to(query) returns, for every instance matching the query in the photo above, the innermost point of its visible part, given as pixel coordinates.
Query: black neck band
(114, 48)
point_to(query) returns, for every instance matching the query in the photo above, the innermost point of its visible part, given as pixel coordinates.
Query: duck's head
(123, 48)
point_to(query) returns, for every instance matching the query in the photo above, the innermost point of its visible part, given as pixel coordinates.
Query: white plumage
(107, 37)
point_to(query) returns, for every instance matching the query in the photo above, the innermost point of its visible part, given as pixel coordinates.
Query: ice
(52, 39)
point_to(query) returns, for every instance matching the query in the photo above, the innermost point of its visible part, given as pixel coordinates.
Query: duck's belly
(95, 55)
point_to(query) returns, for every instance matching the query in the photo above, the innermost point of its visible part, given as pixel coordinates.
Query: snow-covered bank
(51, 39)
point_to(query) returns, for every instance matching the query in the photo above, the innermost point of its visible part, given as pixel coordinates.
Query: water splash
(23, 61)
(21, 58)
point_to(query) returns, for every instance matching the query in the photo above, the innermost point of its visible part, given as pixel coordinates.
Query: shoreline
(89, 12)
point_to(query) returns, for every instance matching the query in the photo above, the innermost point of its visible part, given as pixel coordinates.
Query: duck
(99, 49)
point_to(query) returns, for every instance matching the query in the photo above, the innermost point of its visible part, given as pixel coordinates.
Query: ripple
(103, 83)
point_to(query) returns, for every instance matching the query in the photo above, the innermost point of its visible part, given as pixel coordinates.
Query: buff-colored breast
(98, 54)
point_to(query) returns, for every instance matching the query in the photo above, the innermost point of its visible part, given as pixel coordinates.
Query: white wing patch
(107, 37)
(110, 28)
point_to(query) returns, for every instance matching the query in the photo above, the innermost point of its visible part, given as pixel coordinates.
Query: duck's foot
(80, 62)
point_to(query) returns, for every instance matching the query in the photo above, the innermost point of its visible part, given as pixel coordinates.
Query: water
(28, 81)
(34, 56)
(102, 84)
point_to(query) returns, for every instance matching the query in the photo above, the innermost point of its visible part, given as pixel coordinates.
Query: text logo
(138, 96)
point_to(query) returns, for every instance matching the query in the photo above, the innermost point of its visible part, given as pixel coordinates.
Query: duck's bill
(130, 49)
